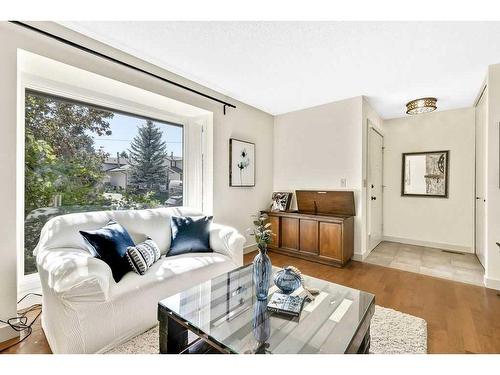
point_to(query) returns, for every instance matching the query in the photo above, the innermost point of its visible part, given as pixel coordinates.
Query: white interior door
(479, 233)
(375, 187)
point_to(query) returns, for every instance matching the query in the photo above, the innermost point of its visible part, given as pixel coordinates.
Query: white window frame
(202, 124)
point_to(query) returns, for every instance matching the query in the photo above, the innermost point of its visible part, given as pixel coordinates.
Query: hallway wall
(440, 222)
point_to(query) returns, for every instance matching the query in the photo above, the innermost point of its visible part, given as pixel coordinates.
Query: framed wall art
(241, 163)
(281, 201)
(425, 174)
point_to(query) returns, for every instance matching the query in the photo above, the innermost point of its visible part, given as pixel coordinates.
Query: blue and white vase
(262, 269)
(260, 322)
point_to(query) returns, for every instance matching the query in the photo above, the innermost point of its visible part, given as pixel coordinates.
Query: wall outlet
(343, 182)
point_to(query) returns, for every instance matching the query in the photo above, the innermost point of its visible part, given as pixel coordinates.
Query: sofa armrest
(227, 241)
(74, 275)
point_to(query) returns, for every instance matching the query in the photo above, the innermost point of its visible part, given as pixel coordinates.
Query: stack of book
(286, 304)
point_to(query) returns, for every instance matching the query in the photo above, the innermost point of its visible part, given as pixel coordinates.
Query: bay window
(90, 143)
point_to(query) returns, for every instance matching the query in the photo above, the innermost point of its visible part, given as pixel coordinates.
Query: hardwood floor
(461, 318)
(36, 343)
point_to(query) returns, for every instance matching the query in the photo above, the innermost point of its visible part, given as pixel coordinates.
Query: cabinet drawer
(309, 236)
(330, 240)
(289, 233)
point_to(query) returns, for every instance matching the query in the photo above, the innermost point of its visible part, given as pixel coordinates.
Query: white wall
(316, 147)
(8, 248)
(232, 206)
(492, 274)
(447, 223)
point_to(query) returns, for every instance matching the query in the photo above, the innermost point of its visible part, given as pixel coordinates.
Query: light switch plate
(343, 182)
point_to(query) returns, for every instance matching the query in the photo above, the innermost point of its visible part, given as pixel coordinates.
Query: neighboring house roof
(175, 169)
(123, 161)
(114, 160)
(111, 164)
(106, 167)
(123, 168)
(126, 168)
(169, 160)
(174, 158)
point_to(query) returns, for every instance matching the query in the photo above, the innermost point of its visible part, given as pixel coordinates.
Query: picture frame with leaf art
(241, 163)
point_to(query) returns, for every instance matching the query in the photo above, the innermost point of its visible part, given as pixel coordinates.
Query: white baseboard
(359, 257)
(7, 333)
(491, 283)
(438, 245)
(250, 248)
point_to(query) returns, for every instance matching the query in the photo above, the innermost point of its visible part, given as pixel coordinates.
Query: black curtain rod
(109, 58)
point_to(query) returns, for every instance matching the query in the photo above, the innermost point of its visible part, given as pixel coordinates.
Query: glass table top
(226, 310)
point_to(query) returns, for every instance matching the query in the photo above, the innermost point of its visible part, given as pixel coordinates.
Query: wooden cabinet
(325, 239)
(321, 235)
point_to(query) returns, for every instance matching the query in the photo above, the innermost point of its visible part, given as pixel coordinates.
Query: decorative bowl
(287, 280)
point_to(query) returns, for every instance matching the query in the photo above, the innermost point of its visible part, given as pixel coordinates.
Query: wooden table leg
(173, 336)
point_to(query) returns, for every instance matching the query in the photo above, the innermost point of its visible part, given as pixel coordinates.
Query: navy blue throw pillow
(190, 235)
(110, 244)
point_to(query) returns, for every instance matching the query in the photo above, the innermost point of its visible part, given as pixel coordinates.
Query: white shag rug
(392, 332)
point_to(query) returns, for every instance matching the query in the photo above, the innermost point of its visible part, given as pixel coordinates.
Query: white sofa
(85, 310)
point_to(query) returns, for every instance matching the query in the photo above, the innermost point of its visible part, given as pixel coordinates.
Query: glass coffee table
(222, 315)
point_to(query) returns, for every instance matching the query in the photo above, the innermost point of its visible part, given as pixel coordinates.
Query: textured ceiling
(285, 66)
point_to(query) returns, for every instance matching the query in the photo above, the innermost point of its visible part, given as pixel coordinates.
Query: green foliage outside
(62, 165)
(59, 151)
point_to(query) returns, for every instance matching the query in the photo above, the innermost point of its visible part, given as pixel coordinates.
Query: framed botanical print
(241, 163)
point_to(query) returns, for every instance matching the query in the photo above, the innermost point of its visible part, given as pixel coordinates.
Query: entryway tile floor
(428, 261)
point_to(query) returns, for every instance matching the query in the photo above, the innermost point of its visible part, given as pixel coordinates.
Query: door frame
(475, 196)
(369, 127)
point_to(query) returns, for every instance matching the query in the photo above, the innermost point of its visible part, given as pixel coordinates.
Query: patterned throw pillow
(142, 256)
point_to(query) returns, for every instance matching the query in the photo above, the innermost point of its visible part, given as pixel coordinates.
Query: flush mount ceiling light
(422, 105)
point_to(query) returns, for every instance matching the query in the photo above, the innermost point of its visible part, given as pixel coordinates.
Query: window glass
(81, 158)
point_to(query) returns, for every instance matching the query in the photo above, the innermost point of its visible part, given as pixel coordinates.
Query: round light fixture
(422, 105)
